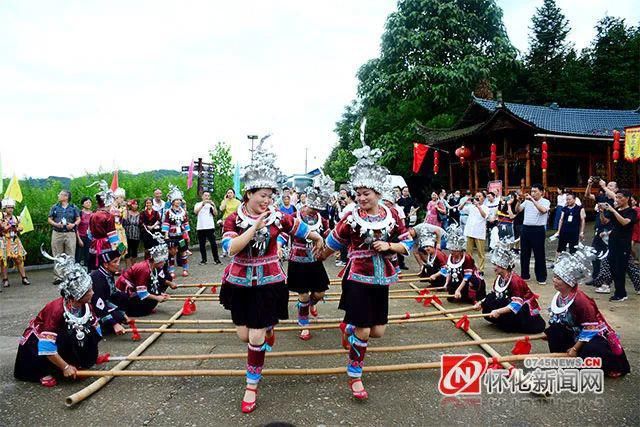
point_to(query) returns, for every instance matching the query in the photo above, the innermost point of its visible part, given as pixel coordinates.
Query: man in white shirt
(475, 228)
(159, 205)
(206, 226)
(532, 237)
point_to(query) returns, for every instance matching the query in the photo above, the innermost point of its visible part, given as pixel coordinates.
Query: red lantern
(436, 162)
(544, 155)
(493, 166)
(616, 156)
(493, 157)
(463, 153)
(616, 146)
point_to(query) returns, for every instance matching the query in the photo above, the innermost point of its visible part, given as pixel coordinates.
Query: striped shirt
(532, 215)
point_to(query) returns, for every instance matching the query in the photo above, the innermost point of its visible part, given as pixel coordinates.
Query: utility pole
(253, 140)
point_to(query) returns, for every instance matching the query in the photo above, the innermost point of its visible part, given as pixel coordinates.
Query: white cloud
(149, 84)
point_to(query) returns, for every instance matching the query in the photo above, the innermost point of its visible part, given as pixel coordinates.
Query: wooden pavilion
(579, 145)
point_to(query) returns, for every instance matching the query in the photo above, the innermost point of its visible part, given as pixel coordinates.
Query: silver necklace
(555, 309)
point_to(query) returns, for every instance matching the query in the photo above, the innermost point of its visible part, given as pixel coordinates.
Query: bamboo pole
(474, 336)
(107, 376)
(299, 371)
(295, 299)
(292, 321)
(338, 280)
(329, 352)
(298, 327)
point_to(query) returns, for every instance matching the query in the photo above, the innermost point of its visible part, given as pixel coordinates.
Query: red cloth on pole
(190, 176)
(419, 153)
(114, 181)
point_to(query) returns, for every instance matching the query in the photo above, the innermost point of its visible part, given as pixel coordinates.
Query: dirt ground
(404, 398)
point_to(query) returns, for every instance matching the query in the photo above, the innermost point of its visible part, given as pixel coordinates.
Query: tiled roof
(573, 121)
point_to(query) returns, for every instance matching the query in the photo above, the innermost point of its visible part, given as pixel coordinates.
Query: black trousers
(619, 262)
(532, 239)
(203, 236)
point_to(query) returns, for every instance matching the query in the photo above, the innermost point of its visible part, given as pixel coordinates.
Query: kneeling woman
(146, 281)
(253, 284)
(367, 233)
(64, 335)
(463, 280)
(431, 259)
(511, 305)
(576, 325)
(306, 275)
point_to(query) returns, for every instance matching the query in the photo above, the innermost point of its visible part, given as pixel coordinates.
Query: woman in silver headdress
(368, 232)
(431, 259)
(253, 284)
(463, 280)
(510, 305)
(64, 335)
(176, 228)
(306, 275)
(576, 325)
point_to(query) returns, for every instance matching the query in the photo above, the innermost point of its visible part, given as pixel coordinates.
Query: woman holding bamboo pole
(64, 336)
(306, 275)
(253, 284)
(510, 305)
(367, 232)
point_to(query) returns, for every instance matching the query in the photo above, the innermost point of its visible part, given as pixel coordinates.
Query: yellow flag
(25, 220)
(13, 189)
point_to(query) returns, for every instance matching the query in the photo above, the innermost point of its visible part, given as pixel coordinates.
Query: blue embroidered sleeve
(47, 344)
(303, 230)
(142, 292)
(515, 305)
(333, 243)
(444, 271)
(282, 240)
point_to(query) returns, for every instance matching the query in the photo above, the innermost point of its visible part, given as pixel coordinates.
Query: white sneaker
(604, 289)
(542, 283)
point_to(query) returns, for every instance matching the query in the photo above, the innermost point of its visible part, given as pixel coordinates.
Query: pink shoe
(313, 310)
(360, 395)
(249, 407)
(305, 335)
(185, 273)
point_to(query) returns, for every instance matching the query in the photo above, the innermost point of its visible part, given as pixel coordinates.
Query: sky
(141, 85)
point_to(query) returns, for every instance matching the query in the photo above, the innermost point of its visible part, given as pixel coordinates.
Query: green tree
(548, 50)
(615, 55)
(222, 162)
(433, 54)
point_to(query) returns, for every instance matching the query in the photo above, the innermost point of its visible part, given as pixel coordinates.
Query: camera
(595, 179)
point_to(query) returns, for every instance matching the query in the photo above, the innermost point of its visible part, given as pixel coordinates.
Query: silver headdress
(424, 236)
(387, 192)
(502, 254)
(263, 172)
(456, 240)
(575, 269)
(174, 193)
(105, 192)
(8, 202)
(318, 196)
(160, 251)
(119, 192)
(366, 173)
(75, 282)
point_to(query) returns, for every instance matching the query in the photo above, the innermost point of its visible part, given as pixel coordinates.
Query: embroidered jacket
(258, 264)
(459, 270)
(519, 294)
(108, 302)
(49, 323)
(301, 250)
(176, 224)
(141, 280)
(438, 262)
(583, 317)
(365, 264)
(102, 232)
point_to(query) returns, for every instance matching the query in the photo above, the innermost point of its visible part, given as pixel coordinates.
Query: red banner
(419, 153)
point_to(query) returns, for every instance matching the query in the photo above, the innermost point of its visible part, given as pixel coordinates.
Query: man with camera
(606, 194)
(475, 228)
(536, 214)
(206, 226)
